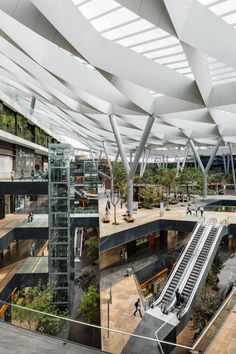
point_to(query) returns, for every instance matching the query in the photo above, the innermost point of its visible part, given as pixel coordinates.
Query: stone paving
(143, 216)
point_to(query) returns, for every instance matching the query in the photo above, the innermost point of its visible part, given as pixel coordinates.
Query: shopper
(188, 212)
(125, 256)
(177, 294)
(12, 175)
(32, 174)
(138, 308)
(121, 255)
(22, 174)
(201, 210)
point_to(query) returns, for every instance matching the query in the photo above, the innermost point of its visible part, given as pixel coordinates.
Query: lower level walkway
(17, 340)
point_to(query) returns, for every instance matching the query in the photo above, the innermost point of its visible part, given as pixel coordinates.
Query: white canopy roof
(86, 59)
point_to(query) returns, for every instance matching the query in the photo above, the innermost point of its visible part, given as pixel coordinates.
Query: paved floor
(143, 216)
(17, 340)
(225, 341)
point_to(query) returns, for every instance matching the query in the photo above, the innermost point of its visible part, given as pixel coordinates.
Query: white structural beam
(232, 166)
(118, 60)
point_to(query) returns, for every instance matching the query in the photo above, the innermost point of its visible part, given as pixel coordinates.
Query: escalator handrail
(190, 299)
(191, 263)
(178, 262)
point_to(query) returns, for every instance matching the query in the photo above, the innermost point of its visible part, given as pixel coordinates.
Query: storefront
(7, 154)
(25, 160)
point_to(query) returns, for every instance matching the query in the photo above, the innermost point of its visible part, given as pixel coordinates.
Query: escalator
(192, 267)
(174, 279)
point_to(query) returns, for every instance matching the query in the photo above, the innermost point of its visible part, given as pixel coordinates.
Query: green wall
(18, 125)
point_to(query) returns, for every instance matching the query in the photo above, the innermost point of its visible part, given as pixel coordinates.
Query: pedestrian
(201, 210)
(106, 210)
(188, 210)
(121, 255)
(177, 294)
(12, 175)
(22, 174)
(108, 204)
(31, 216)
(138, 307)
(125, 256)
(32, 174)
(121, 204)
(46, 174)
(196, 210)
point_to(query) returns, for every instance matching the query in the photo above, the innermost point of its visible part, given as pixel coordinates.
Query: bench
(106, 219)
(128, 218)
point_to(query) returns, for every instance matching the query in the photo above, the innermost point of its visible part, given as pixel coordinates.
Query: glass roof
(220, 73)
(119, 24)
(226, 9)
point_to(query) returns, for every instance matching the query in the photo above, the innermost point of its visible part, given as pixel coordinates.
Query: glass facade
(60, 242)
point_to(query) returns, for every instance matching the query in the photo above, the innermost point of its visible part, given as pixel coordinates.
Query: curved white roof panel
(84, 60)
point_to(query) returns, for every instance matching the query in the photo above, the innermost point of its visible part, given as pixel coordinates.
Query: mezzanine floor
(143, 216)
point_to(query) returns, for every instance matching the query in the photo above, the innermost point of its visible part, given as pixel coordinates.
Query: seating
(128, 218)
(106, 219)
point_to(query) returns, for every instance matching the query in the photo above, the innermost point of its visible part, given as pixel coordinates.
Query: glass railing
(104, 338)
(215, 324)
(17, 176)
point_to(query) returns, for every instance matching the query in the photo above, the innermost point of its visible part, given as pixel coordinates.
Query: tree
(90, 305)
(120, 179)
(38, 298)
(147, 193)
(86, 278)
(166, 177)
(92, 252)
(148, 176)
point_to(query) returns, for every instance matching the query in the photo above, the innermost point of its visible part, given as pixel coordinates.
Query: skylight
(119, 24)
(226, 9)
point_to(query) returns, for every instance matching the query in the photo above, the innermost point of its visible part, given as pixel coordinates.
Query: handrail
(191, 236)
(185, 308)
(191, 263)
(212, 220)
(225, 221)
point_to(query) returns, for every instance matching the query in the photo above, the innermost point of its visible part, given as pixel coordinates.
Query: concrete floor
(15, 340)
(143, 216)
(225, 341)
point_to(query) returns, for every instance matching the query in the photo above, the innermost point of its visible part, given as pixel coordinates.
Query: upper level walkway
(143, 216)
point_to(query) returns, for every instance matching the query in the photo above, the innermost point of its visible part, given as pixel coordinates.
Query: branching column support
(178, 160)
(109, 165)
(146, 155)
(206, 170)
(131, 169)
(232, 165)
(185, 158)
(224, 161)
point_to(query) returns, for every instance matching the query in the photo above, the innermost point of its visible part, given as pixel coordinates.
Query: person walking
(12, 175)
(201, 211)
(188, 212)
(138, 308)
(32, 174)
(196, 210)
(177, 294)
(121, 204)
(121, 255)
(125, 256)
(22, 175)
(108, 204)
